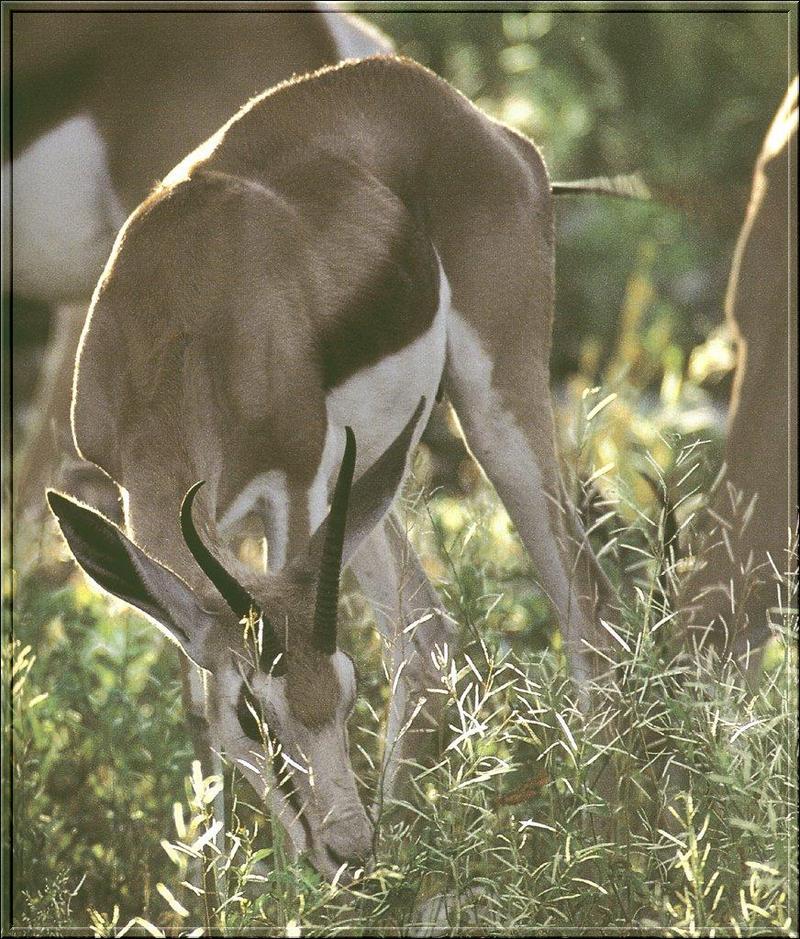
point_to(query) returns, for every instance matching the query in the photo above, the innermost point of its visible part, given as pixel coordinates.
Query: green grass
(668, 808)
(513, 829)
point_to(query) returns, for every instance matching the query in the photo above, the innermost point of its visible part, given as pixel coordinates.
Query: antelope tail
(631, 186)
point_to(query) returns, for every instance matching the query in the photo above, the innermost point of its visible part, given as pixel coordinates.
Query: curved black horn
(233, 593)
(325, 613)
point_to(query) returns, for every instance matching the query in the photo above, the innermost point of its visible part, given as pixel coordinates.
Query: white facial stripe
(267, 495)
(346, 675)
(378, 401)
(197, 690)
(319, 804)
(66, 212)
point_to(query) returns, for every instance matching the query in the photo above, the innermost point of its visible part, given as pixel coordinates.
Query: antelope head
(283, 688)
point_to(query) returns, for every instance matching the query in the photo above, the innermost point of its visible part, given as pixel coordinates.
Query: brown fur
(157, 84)
(761, 448)
(199, 66)
(203, 347)
(223, 319)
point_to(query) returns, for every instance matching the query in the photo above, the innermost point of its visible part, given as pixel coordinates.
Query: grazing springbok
(751, 536)
(103, 104)
(276, 320)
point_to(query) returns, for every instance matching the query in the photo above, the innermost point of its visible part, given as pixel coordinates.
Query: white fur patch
(66, 212)
(197, 690)
(507, 456)
(378, 401)
(267, 496)
(346, 676)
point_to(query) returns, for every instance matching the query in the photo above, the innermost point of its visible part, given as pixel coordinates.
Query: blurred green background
(682, 97)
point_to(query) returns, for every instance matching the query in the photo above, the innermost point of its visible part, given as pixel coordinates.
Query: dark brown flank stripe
(396, 305)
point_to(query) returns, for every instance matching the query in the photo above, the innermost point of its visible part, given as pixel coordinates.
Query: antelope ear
(123, 569)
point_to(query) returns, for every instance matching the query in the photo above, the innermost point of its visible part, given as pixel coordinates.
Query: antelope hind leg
(513, 438)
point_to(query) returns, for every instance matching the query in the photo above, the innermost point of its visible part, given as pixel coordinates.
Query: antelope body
(344, 247)
(103, 104)
(735, 584)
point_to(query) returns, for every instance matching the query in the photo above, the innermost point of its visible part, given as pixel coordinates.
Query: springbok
(727, 595)
(280, 314)
(103, 104)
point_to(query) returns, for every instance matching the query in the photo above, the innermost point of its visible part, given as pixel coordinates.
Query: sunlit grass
(669, 806)
(514, 828)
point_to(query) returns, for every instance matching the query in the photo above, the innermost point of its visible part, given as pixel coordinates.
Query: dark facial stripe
(253, 729)
(270, 651)
(392, 307)
(245, 716)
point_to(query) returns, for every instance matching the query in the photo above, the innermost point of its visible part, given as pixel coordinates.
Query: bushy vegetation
(680, 822)
(684, 98)
(670, 807)
(510, 830)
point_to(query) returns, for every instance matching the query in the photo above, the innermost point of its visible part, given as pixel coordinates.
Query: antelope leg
(415, 631)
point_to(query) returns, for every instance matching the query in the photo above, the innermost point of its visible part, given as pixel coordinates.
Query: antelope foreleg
(417, 636)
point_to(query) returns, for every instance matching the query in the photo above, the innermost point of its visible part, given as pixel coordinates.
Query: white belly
(65, 212)
(378, 401)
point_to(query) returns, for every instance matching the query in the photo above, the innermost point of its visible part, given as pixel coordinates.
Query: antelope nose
(351, 858)
(351, 843)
